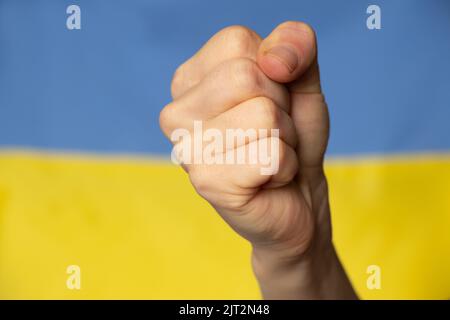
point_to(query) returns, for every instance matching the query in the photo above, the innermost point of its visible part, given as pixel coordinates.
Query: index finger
(229, 43)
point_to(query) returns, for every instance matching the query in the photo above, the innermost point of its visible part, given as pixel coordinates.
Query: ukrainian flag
(85, 175)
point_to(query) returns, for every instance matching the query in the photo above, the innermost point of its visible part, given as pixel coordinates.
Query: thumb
(289, 55)
(288, 52)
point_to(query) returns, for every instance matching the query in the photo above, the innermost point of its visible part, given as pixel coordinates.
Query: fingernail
(286, 55)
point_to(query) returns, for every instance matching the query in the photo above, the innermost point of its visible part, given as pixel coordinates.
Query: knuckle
(269, 112)
(177, 81)
(303, 27)
(279, 151)
(199, 180)
(308, 29)
(299, 25)
(246, 75)
(282, 150)
(240, 40)
(165, 117)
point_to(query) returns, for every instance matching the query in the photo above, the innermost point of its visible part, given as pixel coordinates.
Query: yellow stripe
(138, 230)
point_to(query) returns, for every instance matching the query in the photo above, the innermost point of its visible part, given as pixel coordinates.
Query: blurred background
(85, 174)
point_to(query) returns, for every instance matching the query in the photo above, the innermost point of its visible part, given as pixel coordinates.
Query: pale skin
(238, 80)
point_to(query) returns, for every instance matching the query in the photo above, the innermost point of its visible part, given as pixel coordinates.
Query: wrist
(316, 274)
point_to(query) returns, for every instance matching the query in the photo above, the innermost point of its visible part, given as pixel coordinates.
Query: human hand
(238, 80)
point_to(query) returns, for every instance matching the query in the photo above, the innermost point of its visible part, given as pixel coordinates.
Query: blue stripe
(101, 88)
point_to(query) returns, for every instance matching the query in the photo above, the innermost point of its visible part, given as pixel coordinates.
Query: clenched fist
(238, 80)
